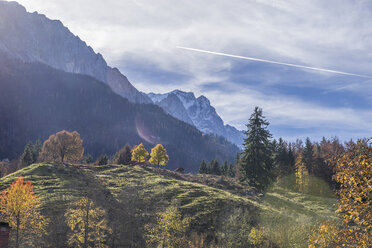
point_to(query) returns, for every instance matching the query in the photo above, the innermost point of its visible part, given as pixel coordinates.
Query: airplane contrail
(274, 62)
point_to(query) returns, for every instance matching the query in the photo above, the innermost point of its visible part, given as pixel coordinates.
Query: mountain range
(197, 112)
(32, 37)
(31, 40)
(37, 100)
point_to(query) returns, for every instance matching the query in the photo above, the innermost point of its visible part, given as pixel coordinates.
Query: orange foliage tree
(20, 207)
(63, 146)
(354, 173)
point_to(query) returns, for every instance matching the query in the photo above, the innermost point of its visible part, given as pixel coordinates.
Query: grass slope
(56, 184)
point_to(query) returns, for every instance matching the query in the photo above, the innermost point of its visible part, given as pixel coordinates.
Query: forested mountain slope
(37, 101)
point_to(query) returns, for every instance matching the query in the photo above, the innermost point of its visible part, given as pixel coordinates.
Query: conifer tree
(31, 153)
(103, 160)
(214, 167)
(159, 155)
(88, 159)
(282, 161)
(224, 169)
(36, 149)
(256, 162)
(231, 171)
(27, 157)
(308, 156)
(203, 168)
(124, 155)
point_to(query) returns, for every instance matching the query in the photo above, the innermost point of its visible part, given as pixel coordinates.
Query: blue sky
(140, 38)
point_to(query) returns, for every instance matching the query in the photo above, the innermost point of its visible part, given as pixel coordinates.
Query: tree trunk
(17, 233)
(85, 245)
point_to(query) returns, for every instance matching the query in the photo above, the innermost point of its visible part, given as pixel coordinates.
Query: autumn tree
(88, 224)
(63, 146)
(139, 154)
(256, 164)
(354, 173)
(257, 237)
(169, 229)
(20, 207)
(124, 155)
(302, 174)
(159, 156)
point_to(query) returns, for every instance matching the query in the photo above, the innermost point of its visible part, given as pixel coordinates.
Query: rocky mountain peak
(198, 112)
(32, 37)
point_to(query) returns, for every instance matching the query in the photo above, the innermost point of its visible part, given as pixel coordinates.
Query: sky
(141, 37)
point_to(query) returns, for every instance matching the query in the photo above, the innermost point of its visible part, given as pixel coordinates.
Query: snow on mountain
(198, 112)
(32, 37)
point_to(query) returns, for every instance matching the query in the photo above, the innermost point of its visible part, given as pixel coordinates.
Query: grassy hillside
(143, 191)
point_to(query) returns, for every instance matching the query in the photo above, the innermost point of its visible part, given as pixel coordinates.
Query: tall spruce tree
(282, 160)
(31, 153)
(124, 155)
(27, 157)
(231, 171)
(203, 168)
(214, 167)
(256, 162)
(308, 156)
(224, 169)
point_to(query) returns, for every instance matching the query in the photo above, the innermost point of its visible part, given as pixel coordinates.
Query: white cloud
(317, 33)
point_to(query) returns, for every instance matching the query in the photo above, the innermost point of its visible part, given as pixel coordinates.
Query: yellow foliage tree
(169, 230)
(20, 207)
(302, 175)
(257, 237)
(159, 155)
(354, 173)
(139, 154)
(326, 235)
(88, 225)
(63, 146)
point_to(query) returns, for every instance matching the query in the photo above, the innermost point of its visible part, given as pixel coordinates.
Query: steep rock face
(32, 37)
(198, 112)
(173, 106)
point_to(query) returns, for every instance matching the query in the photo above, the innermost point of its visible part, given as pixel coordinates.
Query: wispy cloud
(140, 37)
(274, 62)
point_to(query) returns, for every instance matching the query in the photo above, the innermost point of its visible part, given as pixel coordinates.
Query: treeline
(266, 160)
(67, 146)
(214, 168)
